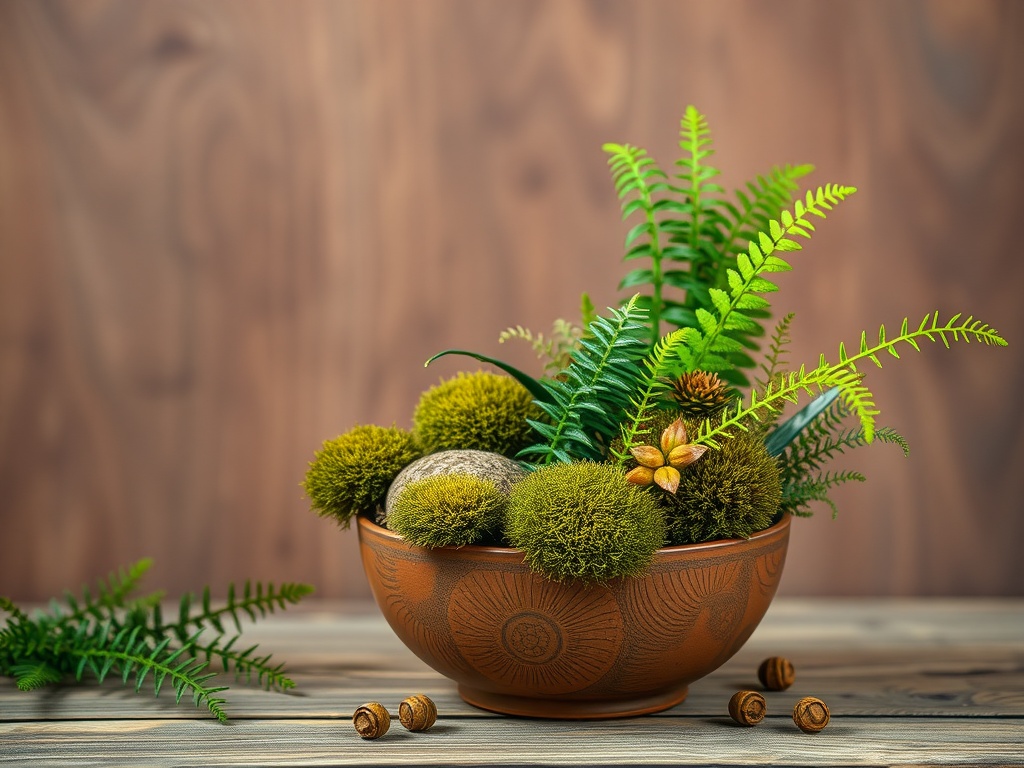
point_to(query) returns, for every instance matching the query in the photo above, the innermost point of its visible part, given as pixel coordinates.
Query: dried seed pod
(371, 720)
(810, 714)
(747, 707)
(417, 713)
(776, 673)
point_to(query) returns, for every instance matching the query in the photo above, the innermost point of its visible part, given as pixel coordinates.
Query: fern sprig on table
(103, 631)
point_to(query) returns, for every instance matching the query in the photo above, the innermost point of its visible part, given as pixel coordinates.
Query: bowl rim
(366, 523)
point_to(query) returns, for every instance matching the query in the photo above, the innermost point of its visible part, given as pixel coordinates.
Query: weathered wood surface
(230, 230)
(908, 682)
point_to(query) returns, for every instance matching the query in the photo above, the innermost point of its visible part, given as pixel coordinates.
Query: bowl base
(563, 709)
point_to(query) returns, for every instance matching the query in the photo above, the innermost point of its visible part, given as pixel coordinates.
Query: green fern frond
(258, 600)
(775, 360)
(245, 664)
(796, 498)
(10, 607)
(720, 334)
(637, 181)
(127, 652)
(588, 312)
(587, 401)
(700, 233)
(765, 200)
(856, 397)
(653, 383)
(824, 439)
(29, 677)
(108, 594)
(104, 632)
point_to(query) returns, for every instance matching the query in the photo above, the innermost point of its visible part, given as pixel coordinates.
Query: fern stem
(844, 375)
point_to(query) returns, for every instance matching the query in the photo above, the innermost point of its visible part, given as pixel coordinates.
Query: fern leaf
(701, 234)
(29, 677)
(253, 603)
(586, 403)
(796, 498)
(653, 383)
(244, 664)
(775, 360)
(856, 397)
(637, 180)
(762, 205)
(708, 350)
(128, 653)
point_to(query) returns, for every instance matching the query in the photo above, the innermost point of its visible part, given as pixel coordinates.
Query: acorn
(371, 720)
(810, 714)
(776, 673)
(417, 712)
(747, 707)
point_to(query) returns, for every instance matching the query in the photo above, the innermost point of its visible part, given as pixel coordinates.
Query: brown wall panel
(230, 230)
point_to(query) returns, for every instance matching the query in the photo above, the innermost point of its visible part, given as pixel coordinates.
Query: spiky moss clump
(448, 510)
(481, 411)
(584, 521)
(730, 492)
(352, 472)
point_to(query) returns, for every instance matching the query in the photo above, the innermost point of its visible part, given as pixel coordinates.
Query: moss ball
(584, 521)
(500, 471)
(481, 411)
(448, 510)
(352, 472)
(731, 492)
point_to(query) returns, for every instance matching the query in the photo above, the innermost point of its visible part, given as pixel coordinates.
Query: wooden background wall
(230, 230)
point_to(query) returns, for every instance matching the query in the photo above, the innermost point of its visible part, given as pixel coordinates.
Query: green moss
(448, 510)
(352, 472)
(584, 521)
(481, 411)
(730, 492)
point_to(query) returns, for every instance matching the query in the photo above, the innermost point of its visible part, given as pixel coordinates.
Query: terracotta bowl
(519, 644)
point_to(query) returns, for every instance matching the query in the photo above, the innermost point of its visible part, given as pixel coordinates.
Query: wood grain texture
(230, 230)
(908, 682)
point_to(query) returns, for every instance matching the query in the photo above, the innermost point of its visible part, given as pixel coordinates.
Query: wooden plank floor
(908, 683)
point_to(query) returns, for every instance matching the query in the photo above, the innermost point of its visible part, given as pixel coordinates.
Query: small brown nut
(371, 720)
(776, 673)
(417, 712)
(747, 707)
(810, 714)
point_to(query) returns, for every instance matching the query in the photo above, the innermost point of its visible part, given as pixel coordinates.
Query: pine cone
(700, 394)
